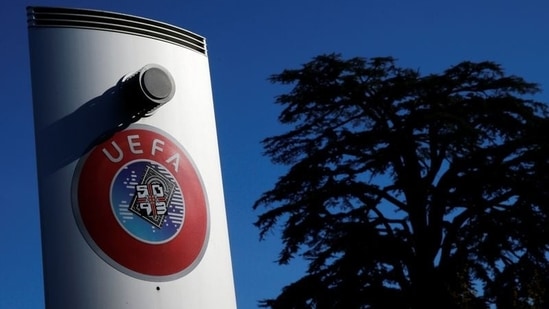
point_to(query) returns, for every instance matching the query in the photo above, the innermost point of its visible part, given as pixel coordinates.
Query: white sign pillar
(131, 197)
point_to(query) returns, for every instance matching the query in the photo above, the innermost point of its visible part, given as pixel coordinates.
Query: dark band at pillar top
(45, 17)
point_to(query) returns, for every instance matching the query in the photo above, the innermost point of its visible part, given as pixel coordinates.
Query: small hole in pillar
(158, 288)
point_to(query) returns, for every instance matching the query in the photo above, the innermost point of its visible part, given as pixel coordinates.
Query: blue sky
(247, 41)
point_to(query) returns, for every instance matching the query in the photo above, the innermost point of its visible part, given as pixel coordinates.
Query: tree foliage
(410, 191)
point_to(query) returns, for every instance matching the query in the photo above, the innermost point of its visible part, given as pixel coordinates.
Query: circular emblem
(140, 204)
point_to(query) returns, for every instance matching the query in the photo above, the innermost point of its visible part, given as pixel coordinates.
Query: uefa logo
(147, 202)
(140, 204)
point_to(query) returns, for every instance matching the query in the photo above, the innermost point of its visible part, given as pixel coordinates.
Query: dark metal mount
(147, 90)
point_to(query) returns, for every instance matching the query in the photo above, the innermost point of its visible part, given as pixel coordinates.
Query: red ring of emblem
(93, 201)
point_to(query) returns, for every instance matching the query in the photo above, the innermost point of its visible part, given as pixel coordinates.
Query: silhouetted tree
(410, 191)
